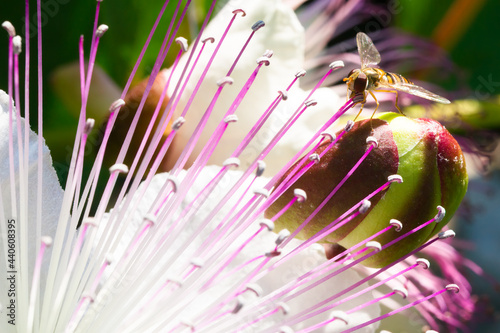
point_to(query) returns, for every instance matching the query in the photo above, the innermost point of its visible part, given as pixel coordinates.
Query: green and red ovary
(421, 151)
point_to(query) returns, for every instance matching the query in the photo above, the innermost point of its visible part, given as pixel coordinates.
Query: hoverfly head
(357, 81)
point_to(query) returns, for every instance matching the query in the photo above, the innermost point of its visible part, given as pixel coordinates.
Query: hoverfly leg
(376, 101)
(362, 104)
(396, 103)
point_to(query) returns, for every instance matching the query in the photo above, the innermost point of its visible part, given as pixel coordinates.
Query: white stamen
(267, 224)
(395, 179)
(329, 136)
(311, 102)
(261, 191)
(349, 125)
(440, 214)
(17, 44)
(396, 224)
(89, 125)
(150, 219)
(365, 206)
(300, 73)
(261, 167)
(174, 181)
(255, 288)
(446, 234)
(101, 30)
(232, 161)
(300, 194)
(403, 292)
(282, 236)
(336, 65)
(197, 262)
(232, 118)
(9, 28)
(183, 43)
(314, 158)
(284, 307)
(424, 263)
(453, 287)
(116, 105)
(341, 315)
(225, 80)
(119, 167)
(284, 94)
(177, 123)
(372, 140)
(257, 25)
(374, 245)
(263, 60)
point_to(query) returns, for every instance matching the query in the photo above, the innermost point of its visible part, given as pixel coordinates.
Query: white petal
(52, 192)
(283, 34)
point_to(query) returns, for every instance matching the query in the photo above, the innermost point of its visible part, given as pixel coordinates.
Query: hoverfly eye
(360, 83)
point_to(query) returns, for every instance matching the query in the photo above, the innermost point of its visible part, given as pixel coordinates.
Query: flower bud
(421, 151)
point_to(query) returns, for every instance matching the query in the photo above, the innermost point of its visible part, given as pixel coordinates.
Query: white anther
(89, 125)
(17, 44)
(88, 296)
(239, 305)
(401, 291)
(257, 25)
(150, 219)
(446, 234)
(341, 315)
(284, 94)
(314, 158)
(285, 329)
(197, 262)
(47, 240)
(268, 53)
(174, 181)
(395, 179)
(300, 194)
(109, 258)
(282, 235)
(284, 307)
(453, 287)
(261, 191)
(90, 221)
(208, 39)
(175, 281)
(101, 30)
(396, 224)
(358, 98)
(116, 105)
(424, 263)
(311, 102)
(224, 81)
(431, 331)
(9, 28)
(336, 65)
(266, 223)
(240, 11)
(178, 123)
(272, 254)
(365, 205)
(263, 60)
(372, 140)
(349, 125)
(183, 43)
(232, 118)
(440, 214)
(374, 245)
(261, 167)
(329, 136)
(188, 323)
(119, 167)
(232, 161)
(255, 288)
(300, 73)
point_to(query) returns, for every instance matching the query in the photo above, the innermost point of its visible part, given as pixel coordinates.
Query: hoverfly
(369, 78)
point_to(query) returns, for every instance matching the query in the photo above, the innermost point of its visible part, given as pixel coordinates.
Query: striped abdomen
(393, 78)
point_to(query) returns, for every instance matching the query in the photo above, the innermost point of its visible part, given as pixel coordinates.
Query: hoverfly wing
(417, 91)
(367, 51)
